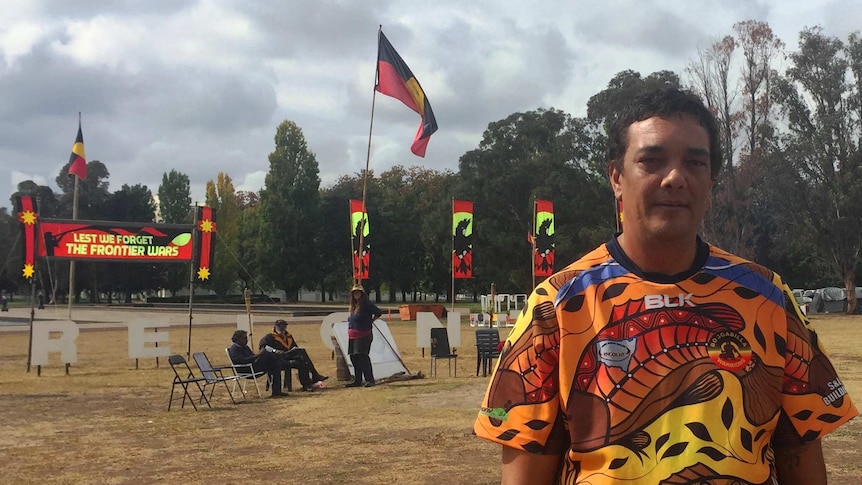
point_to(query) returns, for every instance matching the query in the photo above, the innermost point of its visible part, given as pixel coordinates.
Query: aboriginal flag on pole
(395, 79)
(28, 218)
(205, 243)
(360, 234)
(462, 239)
(78, 159)
(543, 239)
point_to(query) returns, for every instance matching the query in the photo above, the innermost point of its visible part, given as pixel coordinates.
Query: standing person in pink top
(359, 334)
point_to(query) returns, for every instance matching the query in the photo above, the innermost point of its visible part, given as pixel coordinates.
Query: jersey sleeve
(814, 401)
(521, 406)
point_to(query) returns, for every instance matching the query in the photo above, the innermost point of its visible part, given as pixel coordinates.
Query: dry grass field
(107, 422)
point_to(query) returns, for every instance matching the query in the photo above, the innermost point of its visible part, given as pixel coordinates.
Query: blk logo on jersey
(652, 302)
(729, 350)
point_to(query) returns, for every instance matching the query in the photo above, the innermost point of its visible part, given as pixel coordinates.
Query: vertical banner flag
(205, 241)
(462, 239)
(395, 79)
(359, 226)
(28, 217)
(543, 239)
(78, 160)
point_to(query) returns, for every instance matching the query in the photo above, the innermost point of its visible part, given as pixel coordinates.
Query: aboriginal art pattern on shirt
(662, 382)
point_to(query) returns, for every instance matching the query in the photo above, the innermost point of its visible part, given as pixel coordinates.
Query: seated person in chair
(285, 346)
(262, 361)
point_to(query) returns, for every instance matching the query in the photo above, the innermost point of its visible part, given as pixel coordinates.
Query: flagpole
(33, 292)
(533, 244)
(74, 217)
(362, 219)
(452, 259)
(72, 263)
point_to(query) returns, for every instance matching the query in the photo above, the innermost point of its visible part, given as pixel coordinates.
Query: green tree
(129, 204)
(221, 196)
(10, 241)
(433, 192)
(289, 212)
(332, 240)
(249, 232)
(175, 205)
(821, 99)
(175, 199)
(92, 192)
(92, 197)
(545, 154)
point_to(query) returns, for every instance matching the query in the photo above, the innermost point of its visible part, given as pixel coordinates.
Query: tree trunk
(850, 289)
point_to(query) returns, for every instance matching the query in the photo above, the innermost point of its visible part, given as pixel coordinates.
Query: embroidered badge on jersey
(729, 351)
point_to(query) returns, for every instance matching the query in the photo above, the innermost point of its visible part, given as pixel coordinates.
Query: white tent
(385, 358)
(831, 299)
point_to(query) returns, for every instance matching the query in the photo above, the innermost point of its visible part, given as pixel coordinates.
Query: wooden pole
(192, 277)
(247, 296)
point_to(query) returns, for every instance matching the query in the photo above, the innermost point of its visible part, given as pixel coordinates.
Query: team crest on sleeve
(616, 353)
(729, 350)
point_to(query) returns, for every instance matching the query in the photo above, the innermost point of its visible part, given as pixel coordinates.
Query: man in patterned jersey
(658, 358)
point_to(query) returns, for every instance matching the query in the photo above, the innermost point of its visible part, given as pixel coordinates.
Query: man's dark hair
(664, 103)
(238, 335)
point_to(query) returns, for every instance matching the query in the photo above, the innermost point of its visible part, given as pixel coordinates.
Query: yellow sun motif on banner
(203, 273)
(27, 217)
(206, 225)
(28, 271)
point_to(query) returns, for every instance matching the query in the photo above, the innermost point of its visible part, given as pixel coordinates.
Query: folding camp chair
(184, 378)
(440, 350)
(213, 375)
(486, 349)
(244, 372)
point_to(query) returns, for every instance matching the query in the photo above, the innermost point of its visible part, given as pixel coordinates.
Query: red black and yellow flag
(543, 239)
(395, 79)
(205, 241)
(78, 159)
(360, 230)
(462, 239)
(28, 218)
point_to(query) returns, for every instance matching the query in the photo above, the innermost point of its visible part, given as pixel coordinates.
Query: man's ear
(614, 176)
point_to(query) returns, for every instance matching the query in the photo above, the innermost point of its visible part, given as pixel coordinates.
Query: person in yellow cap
(359, 334)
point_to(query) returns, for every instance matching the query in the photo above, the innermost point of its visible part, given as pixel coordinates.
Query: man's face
(665, 181)
(282, 329)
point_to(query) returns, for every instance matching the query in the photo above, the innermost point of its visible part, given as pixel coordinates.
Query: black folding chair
(184, 378)
(486, 349)
(440, 350)
(213, 375)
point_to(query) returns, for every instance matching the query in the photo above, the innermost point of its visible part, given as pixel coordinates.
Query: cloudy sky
(200, 86)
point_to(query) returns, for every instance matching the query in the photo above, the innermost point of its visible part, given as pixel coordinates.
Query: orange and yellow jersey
(644, 378)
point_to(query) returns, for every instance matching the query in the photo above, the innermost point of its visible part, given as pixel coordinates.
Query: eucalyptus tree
(818, 164)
